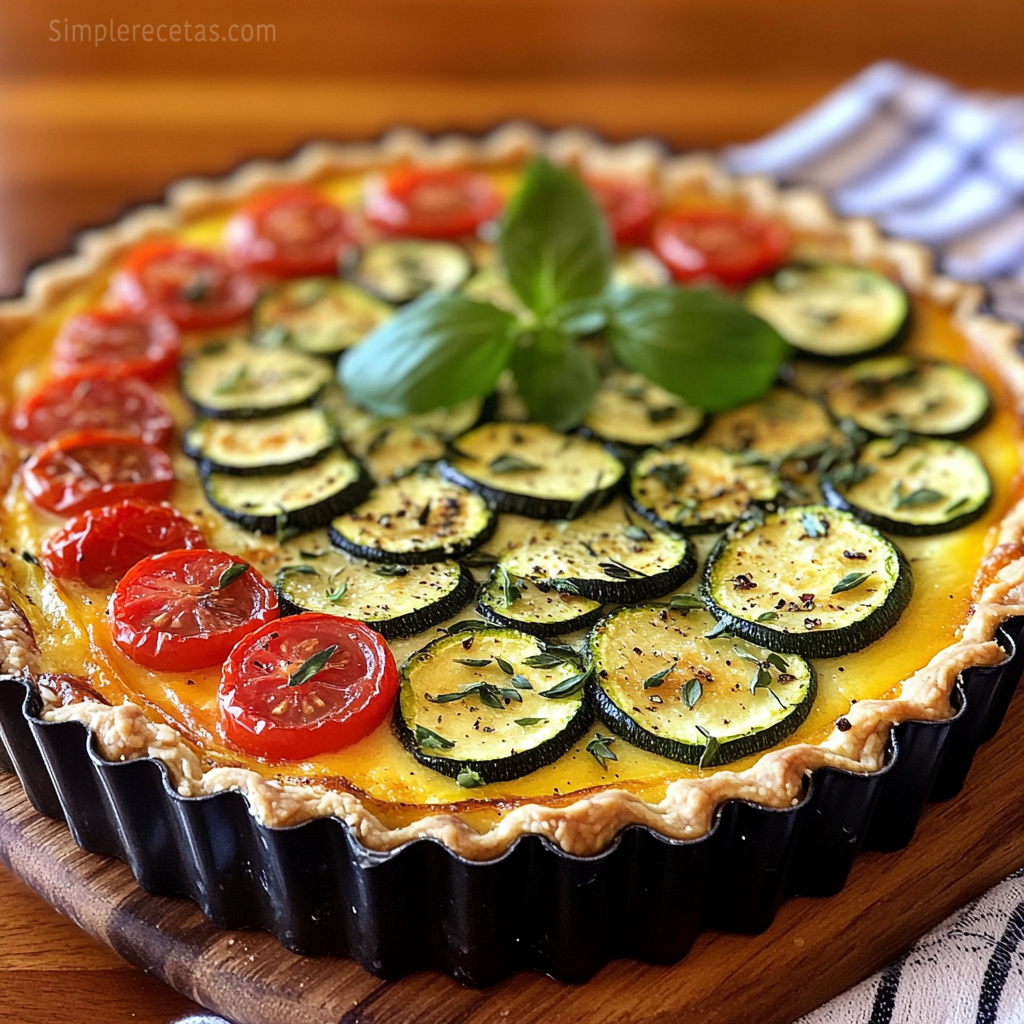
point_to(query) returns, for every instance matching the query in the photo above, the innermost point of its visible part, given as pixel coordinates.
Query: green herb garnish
(468, 779)
(526, 722)
(506, 463)
(231, 573)
(430, 740)
(850, 581)
(391, 570)
(599, 747)
(710, 751)
(658, 678)
(311, 666)
(692, 691)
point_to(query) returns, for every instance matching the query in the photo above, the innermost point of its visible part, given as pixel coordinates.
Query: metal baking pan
(319, 892)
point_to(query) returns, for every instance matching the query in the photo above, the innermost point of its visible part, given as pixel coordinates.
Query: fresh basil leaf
(557, 379)
(554, 243)
(696, 343)
(437, 351)
(427, 739)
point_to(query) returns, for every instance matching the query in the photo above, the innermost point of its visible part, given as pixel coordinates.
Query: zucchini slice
(531, 470)
(916, 487)
(629, 410)
(534, 606)
(396, 604)
(419, 518)
(605, 555)
(300, 500)
(807, 580)
(319, 315)
(401, 270)
(663, 685)
(273, 444)
(462, 713)
(892, 394)
(236, 380)
(832, 310)
(697, 488)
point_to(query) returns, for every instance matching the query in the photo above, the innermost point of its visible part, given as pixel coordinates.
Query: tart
(629, 620)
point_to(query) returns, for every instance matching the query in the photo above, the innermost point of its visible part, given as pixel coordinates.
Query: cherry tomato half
(726, 246)
(630, 207)
(288, 232)
(91, 400)
(184, 610)
(431, 203)
(119, 342)
(96, 467)
(99, 546)
(306, 685)
(195, 288)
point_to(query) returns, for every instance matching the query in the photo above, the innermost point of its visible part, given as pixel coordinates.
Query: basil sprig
(558, 256)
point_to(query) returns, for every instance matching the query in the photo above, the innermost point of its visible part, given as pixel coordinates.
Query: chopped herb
(491, 696)
(520, 682)
(671, 475)
(618, 571)
(430, 740)
(564, 586)
(566, 688)
(526, 722)
(334, 596)
(721, 628)
(392, 570)
(473, 662)
(814, 525)
(767, 616)
(956, 506)
(710, 748)
(468, 779)
(850, 581)
(510, 593)
(692, 691)
(634, 532)
(599, 748)
(505, 666)
(506, 463)
(234, 382)
(231, 573)
(915, 499)
(544, 660)
(658, 678)
(685, 602)
(311, 666)
(763, 677)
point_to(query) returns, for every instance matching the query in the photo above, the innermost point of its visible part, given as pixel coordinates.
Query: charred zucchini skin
(411, 623)
(540, 629)
(639, 588)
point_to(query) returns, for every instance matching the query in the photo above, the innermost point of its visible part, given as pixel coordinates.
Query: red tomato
(725, 246)
(274, 707)
(431, 203)
(99, 546)
(288, 232)
(93, 400)
(120, 343)
(195, 288)
(96, 467)
(178, 611)
(630, 207)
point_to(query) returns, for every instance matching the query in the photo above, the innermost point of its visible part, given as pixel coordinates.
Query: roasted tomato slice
(91, 400)
(431, 203)
(728, 247)
(306, 685)
(288, 232)
(195, 288)
(99, 546)
(121, 343)
(630, 207)
(96, 467)
(184, 610)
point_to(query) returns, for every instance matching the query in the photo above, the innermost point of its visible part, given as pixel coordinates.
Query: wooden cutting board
(815, 949)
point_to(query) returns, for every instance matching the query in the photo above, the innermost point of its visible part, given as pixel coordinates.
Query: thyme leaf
(430, 740)
(311, 666)
(599, 747)
(850, 581)
(231, 573)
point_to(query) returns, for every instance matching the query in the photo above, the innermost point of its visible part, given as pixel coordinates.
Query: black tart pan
(318, 891)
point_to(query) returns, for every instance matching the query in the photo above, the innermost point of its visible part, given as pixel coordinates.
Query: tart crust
(589, 824)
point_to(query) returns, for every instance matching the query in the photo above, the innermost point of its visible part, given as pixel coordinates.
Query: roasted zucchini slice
(299, 500)
(416, 519)
(401, 270)
(661, 683)
(272, 444)
(912, 486)
(807, 580)
(698, 488)
(319, 315)
(398, 601)
(534, 606)
(490, 705)
(895, 394)
(236, 380)
(531, 470)
(832, 310)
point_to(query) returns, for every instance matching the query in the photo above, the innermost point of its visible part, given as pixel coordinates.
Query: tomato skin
(264, 716)
(426, 203)
(91, 400)
(728, 247)
(101, 544)
(96, 467)
(288, 232)
(121, 343)
(169, 613)
(629, 207)
(197, 289)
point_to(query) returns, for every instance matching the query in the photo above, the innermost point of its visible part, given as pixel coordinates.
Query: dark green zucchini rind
(236, 380)
(744, 701)
(916, 487)
(809, 580)
(530, 470)
(283, 503)
(504, 727)
(898, 394)
(413, 521)
(271, 444)
(534, 607)
(832, 311)
(692, 489)
(401, 270)
(396, 604)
